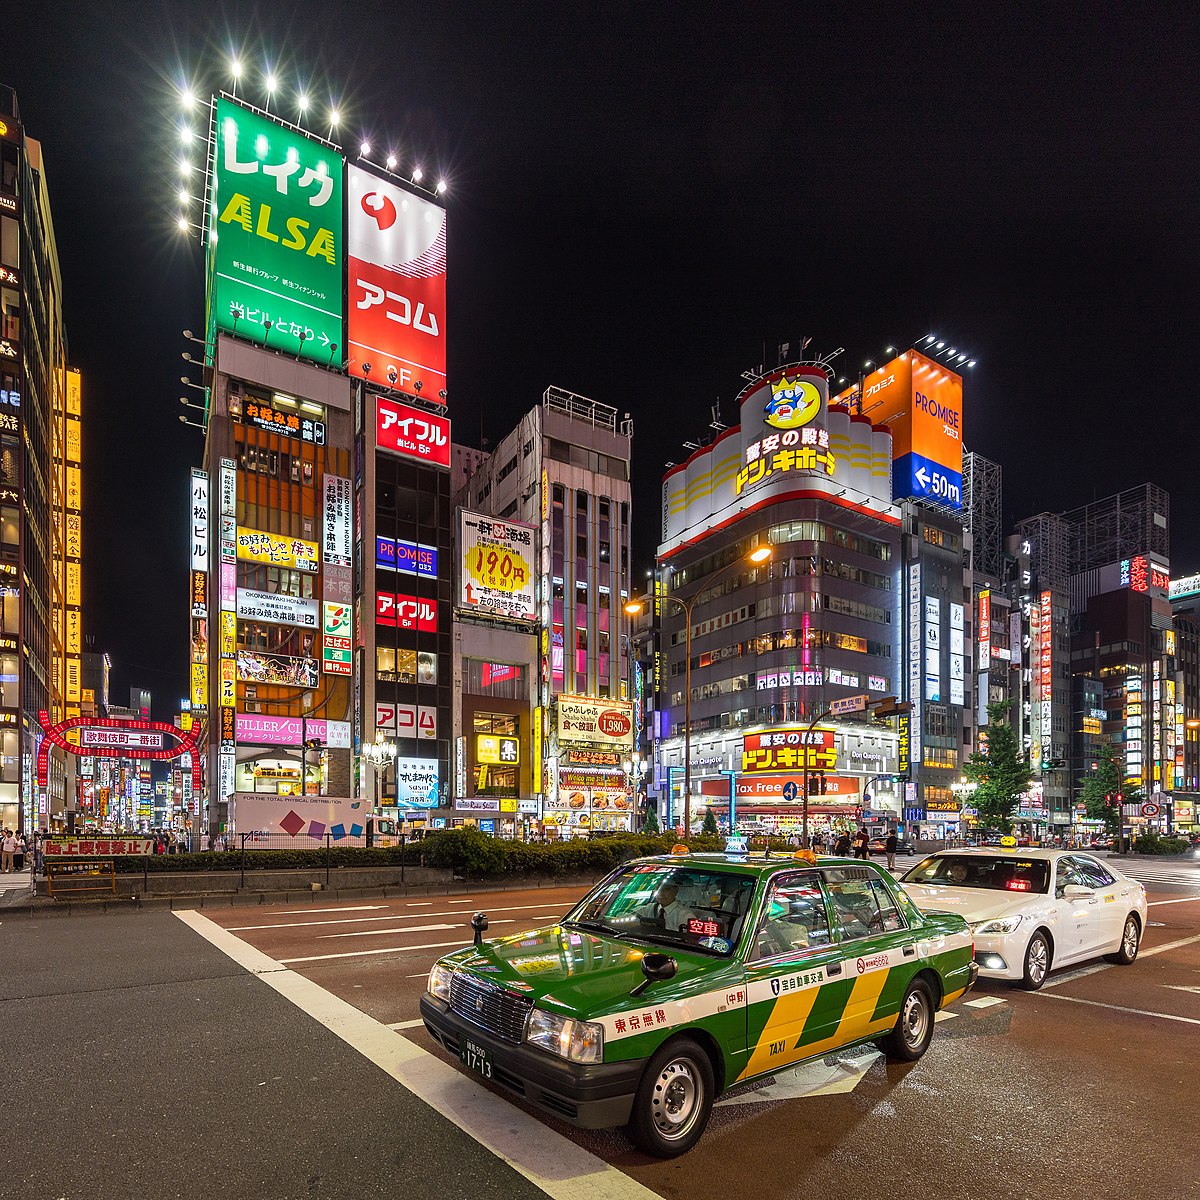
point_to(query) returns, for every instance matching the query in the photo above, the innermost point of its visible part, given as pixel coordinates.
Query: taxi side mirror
(1075, 891)
(656, 968)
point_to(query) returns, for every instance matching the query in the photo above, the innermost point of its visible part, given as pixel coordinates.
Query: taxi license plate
(475, 1058)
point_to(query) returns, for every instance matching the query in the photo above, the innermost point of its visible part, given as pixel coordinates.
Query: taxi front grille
(488, 1006)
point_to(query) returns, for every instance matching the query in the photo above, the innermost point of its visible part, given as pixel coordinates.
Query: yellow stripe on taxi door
(781, 1032)
(856, 1017)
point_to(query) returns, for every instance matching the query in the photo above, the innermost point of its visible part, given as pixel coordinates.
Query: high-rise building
(41, 611)
(562, 474)
(321, 512)
(779, 593)
(1097, 638)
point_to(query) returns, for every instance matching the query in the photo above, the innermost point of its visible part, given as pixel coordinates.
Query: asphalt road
(157, 1064)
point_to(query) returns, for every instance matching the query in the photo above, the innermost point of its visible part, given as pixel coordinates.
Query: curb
(150, 903)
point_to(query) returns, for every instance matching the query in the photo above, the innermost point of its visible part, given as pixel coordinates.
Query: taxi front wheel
(674, 1100)
(914, 1025)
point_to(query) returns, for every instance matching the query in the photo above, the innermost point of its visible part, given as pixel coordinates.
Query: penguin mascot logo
(793, 403)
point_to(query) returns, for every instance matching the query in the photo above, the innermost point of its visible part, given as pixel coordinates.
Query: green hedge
(297, 859)
(466, 851)
(1151, 843)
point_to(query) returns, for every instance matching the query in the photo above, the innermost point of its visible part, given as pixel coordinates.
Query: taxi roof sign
(1009, 842)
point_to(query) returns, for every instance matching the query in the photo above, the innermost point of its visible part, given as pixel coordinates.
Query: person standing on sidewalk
(889, 847)
(19, 860)
(8, 847)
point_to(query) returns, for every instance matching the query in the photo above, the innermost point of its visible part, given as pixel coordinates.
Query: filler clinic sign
(275, 234)
(396, 284)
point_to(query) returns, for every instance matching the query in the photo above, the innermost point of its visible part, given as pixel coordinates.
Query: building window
(506, 470)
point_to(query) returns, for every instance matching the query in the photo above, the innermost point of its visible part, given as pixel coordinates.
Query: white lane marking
(1179, 987)
(1187, 941)
(384, 950)
(1078, 973)
(346, 921)
(984, 1002)
(406, 1024)
(551, 1162)
(944, 1015)
(418, 975)
(1137, 1012)
(1181, 900)
(1082, 971)
(329, 908)
(322, 937)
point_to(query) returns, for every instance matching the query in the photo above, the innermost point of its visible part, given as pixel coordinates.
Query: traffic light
(889, 707)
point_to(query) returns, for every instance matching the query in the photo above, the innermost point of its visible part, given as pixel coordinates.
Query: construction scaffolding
(1047, 536)
(983, 512)
(1135, 521)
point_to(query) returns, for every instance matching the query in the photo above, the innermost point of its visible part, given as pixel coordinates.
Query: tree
(1102, 789)
(710, 823)
(650, 824)
(1000, 772)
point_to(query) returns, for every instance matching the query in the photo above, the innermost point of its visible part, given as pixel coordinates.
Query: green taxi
(680, 976)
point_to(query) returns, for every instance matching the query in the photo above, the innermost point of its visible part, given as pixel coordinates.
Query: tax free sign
(275, 234)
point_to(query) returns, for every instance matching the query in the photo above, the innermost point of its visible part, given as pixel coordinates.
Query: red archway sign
(116, 737)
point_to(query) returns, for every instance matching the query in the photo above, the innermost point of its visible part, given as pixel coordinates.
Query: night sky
(640, 198)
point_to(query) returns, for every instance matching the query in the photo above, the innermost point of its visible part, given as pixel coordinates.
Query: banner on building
(396, 283)
(496, 567)
(274, 257)
(595, 720)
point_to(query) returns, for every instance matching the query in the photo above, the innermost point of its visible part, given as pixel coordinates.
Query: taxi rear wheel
(911, 1035)
(673, 1100)
(1131, 938)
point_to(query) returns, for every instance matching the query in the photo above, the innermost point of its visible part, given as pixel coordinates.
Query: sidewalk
(16, 886)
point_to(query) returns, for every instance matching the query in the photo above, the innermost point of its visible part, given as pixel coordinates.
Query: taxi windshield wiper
(598, 926)
(663, 939)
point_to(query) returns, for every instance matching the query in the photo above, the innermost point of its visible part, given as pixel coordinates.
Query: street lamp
(379, 753)
(635, 767)
(756, 557)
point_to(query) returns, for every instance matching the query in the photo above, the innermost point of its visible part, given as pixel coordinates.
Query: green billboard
(275, 234)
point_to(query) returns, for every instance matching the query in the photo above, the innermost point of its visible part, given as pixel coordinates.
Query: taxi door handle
(909, 950)
(833, 969)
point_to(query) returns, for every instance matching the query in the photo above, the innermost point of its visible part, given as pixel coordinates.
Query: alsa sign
(597, 721)
(411, 432)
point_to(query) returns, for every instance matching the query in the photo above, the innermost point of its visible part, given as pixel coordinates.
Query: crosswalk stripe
(983, 1002)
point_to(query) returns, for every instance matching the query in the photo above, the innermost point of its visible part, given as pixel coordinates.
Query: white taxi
(1030, 910)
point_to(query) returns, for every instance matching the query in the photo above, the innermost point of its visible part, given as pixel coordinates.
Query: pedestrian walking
(19, 857)
(860, 844)
(842, 846)
(8, 848)
(889, 847)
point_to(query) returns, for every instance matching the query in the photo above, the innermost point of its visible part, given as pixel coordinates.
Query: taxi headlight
(577, 1041)
(439, 982)
(999, 925)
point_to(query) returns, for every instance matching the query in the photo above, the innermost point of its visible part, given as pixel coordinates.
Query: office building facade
(41, 552)
(563, 475)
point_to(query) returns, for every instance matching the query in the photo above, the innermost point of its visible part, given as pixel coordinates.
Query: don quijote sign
(595, 720)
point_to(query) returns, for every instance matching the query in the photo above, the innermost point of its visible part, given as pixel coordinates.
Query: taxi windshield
(693, 907)
(998, 872)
